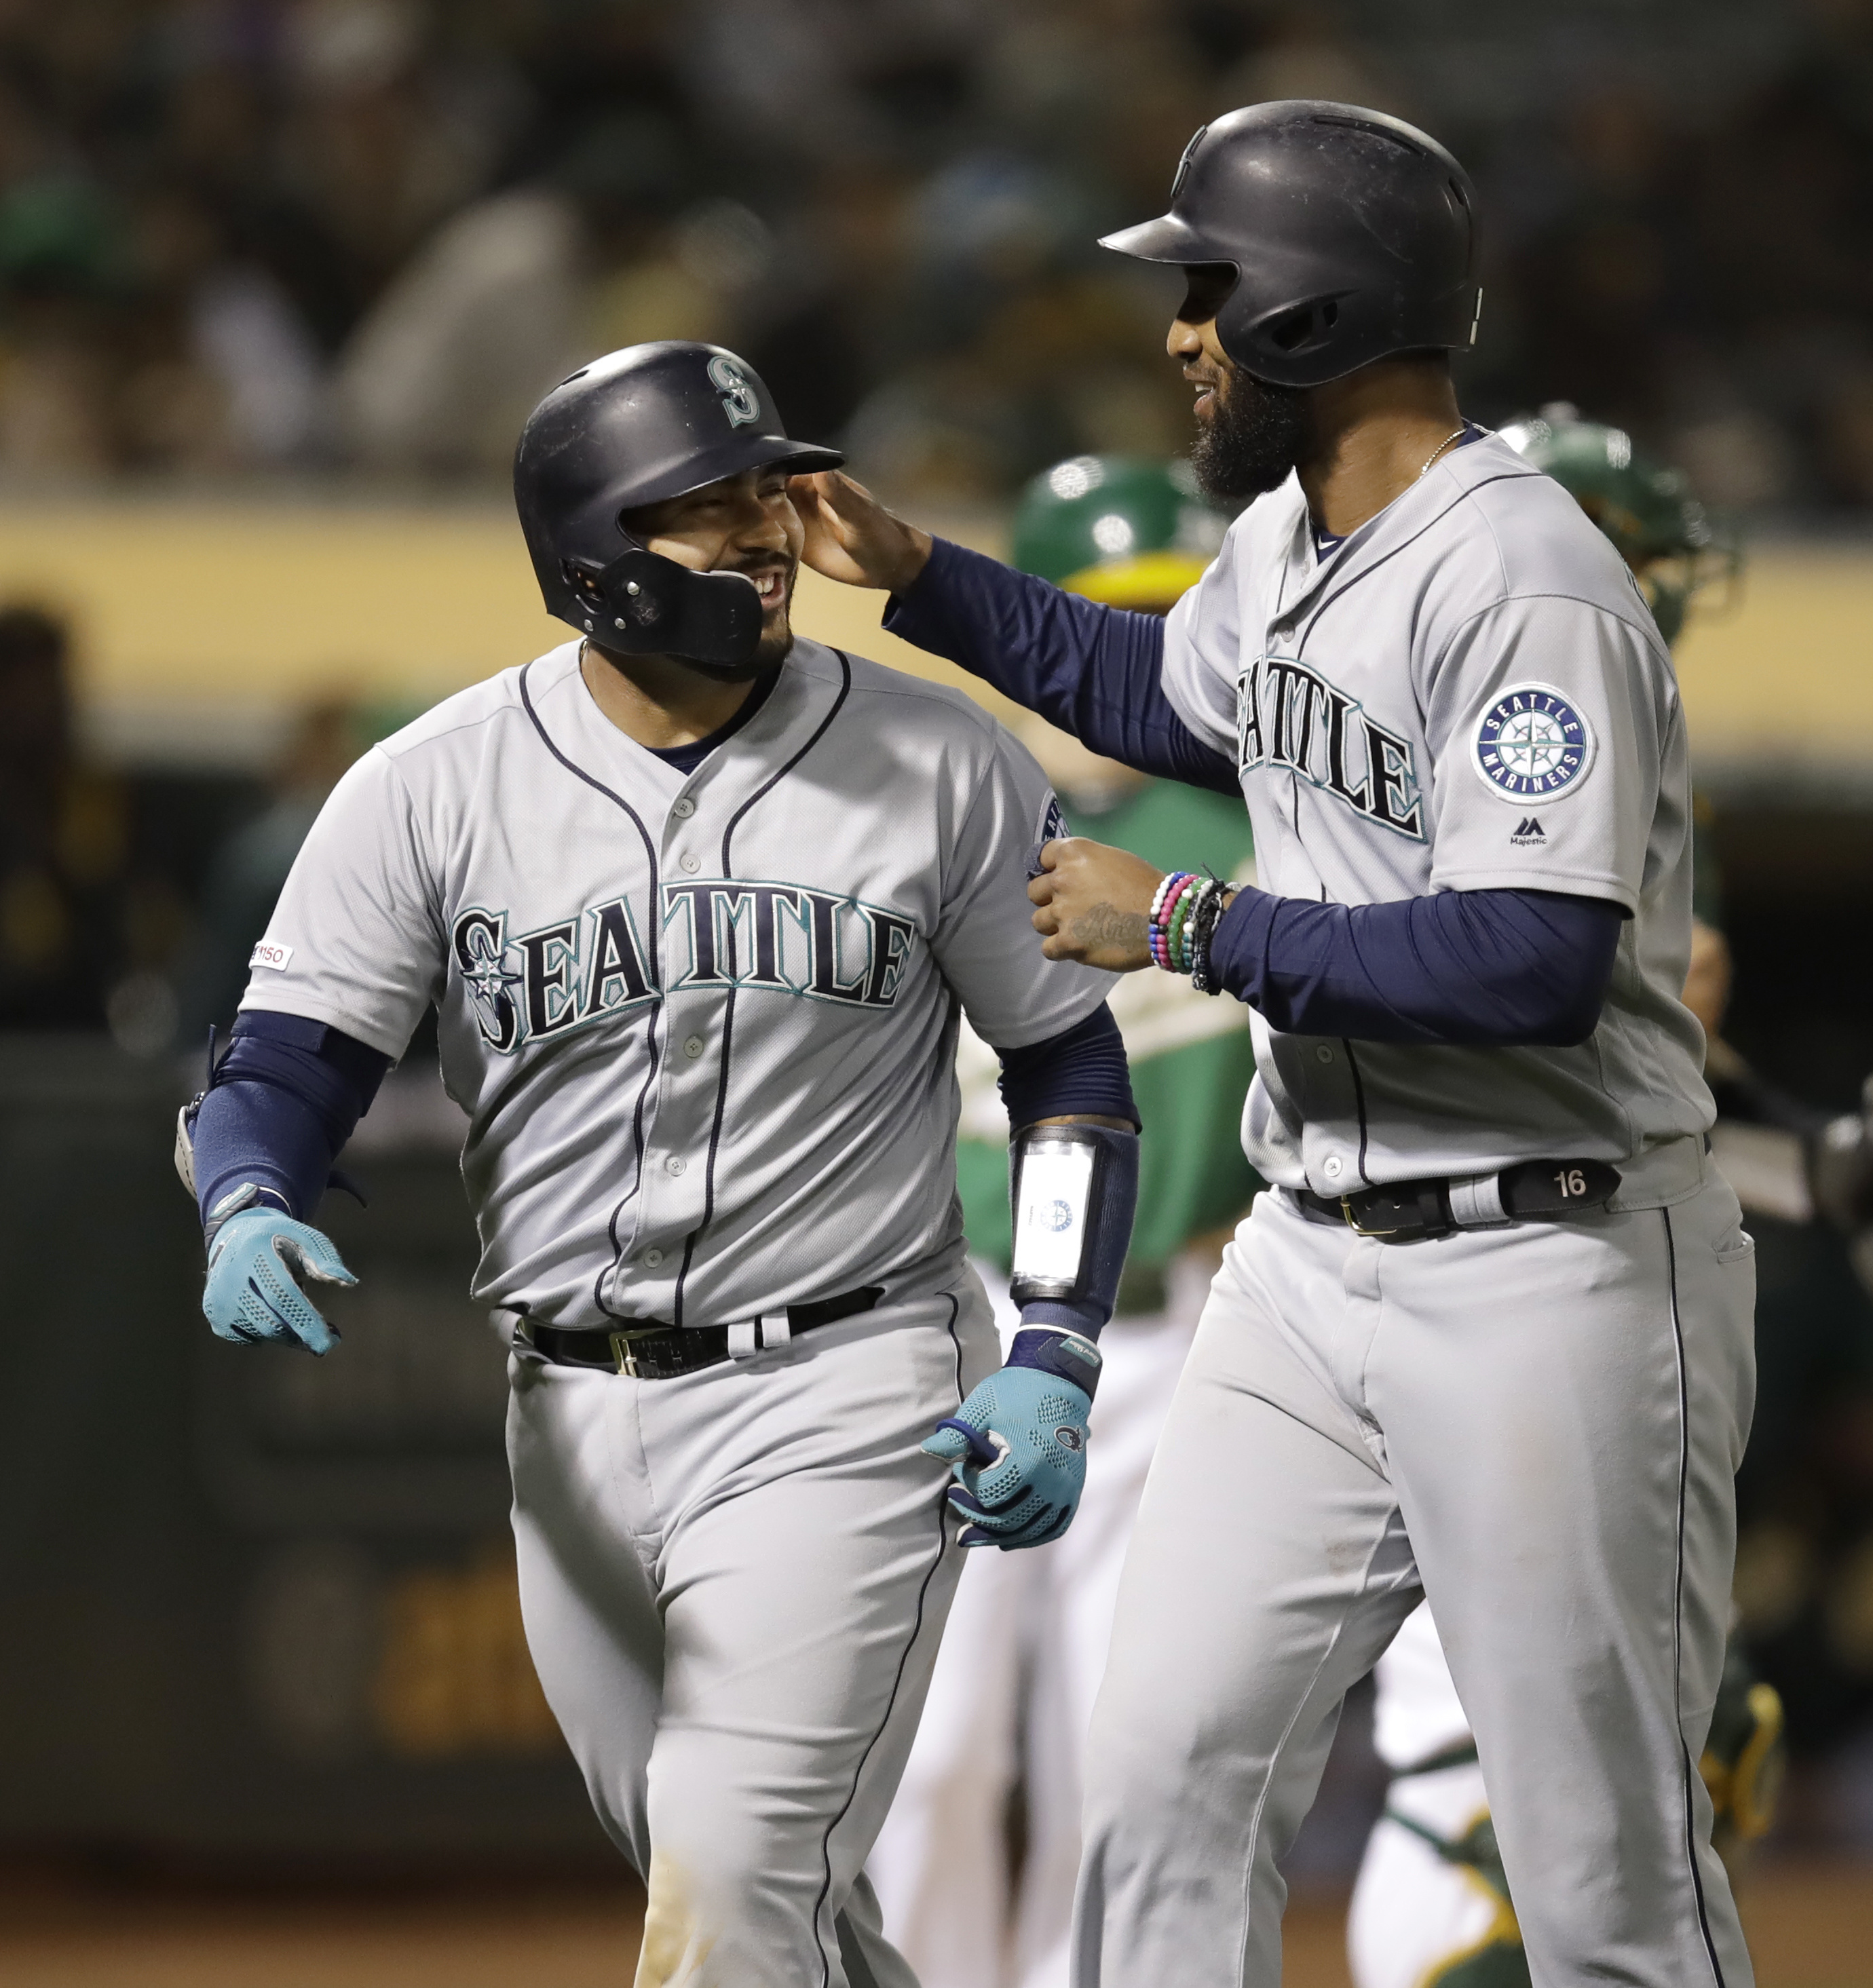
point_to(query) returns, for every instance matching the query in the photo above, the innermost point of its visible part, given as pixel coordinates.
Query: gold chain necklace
(1455, 434)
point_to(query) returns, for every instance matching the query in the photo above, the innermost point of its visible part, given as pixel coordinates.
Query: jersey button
(1322, 1054)
(683, 809)
(691, 864)
(676, 1164)
(1332, 1168)
(693, 1047)
(652, 1258)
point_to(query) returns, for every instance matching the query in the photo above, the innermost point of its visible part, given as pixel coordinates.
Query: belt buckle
(1411, 1227)
(619, 1343)
(1354, 1223)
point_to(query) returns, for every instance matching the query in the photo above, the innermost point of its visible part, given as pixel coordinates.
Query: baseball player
(1487, 1341)
(699, 905)
(1014, 1684)
(1432, 1904)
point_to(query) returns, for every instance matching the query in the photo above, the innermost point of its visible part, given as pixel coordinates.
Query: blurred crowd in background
(303, 233)
(130, 900)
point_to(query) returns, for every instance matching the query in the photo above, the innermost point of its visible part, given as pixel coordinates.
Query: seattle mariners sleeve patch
(1532, 745)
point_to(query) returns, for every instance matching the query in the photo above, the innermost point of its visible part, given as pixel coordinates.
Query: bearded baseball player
(1487, 1342)
(1433, 1908)
(700, 906)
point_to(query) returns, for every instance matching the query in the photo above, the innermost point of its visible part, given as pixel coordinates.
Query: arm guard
(1075, 1191)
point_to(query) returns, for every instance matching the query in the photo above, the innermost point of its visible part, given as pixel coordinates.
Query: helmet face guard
(1352, 236)
(643, 604)
(634, 428)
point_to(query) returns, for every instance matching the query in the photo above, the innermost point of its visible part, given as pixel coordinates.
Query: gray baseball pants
(1537, 1427)
(733, 1584)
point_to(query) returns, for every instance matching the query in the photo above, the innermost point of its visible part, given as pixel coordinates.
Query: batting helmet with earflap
(1352, 236)
(648, 422)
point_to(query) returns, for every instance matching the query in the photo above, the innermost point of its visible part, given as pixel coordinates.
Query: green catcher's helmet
(1659, 528)
(1117, 529)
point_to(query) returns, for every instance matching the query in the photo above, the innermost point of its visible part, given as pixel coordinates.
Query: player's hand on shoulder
(1094, 904)
(257, 1258)
(1017, 1446)
(851, 537)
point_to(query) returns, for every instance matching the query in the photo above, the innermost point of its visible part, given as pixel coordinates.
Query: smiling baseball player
(1488, 1340)
(699, 905)
(1431, 1907)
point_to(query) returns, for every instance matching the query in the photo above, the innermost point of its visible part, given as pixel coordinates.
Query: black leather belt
(1419, 1211)
(649, 1351)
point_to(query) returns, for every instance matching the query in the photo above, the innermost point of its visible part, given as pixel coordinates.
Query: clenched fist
(1095, 904)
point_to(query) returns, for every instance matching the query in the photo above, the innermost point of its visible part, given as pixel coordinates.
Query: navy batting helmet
(650, 422)
(1352, 236)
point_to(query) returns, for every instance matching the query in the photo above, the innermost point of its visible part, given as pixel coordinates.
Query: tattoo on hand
(1105, 924)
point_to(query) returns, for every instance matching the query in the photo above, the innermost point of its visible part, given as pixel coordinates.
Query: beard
(776, 636)
(770, 652)
(1253, 438)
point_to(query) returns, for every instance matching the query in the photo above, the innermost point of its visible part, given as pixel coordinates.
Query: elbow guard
(1075, 1192)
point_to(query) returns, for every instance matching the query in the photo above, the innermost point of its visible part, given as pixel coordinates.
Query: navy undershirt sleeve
(1095, 671)
(1081, 1072)
(1479, 968)
(283, 1102)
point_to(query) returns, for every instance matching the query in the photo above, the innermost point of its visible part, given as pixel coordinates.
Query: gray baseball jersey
(703, 1025)
(1467, 693)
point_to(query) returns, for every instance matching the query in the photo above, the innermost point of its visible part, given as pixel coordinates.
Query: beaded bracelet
(1176, 917)
(1203, 929)
(1152, 921)
(1170, 894)
(1151, 916)
(1185, 910)
(1177, 937)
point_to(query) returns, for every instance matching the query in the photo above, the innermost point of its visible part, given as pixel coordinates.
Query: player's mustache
(757, 563)
(1214, 384)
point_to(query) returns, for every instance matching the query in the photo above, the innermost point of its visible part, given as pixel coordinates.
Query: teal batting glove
(1018, 1445)
(253, 1260)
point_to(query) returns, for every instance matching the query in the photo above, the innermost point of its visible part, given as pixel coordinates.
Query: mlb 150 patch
(1532, 744)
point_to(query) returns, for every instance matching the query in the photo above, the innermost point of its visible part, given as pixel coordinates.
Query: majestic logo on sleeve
(726, 933)
(1532, 744)
(1288, 716)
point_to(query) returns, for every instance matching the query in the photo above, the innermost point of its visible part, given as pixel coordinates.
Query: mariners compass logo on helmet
(1532, 743)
